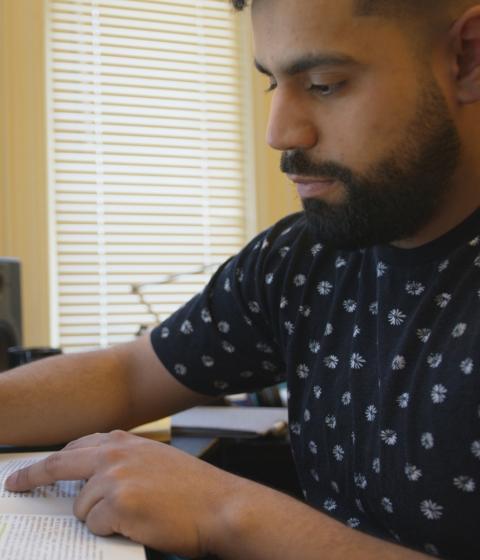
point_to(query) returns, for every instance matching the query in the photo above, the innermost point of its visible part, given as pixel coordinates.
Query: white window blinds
(148, 157)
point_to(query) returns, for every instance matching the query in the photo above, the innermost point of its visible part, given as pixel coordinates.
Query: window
(149, 157)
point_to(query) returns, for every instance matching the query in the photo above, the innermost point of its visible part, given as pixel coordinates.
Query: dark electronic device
(10, 308)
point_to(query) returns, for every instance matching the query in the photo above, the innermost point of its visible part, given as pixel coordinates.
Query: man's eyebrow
(310, 61)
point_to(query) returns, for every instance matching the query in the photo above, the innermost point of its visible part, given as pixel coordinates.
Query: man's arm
(163, 498)
(61, 398)
(261, 524)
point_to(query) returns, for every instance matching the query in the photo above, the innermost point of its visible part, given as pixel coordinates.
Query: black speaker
(10, 308)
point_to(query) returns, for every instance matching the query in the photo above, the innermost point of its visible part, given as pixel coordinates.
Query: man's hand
(165, 499)
(147, 491)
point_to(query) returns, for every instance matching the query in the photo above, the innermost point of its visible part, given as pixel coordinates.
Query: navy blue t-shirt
(381, 352)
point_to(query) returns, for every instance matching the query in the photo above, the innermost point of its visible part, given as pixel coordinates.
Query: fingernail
(11, 481)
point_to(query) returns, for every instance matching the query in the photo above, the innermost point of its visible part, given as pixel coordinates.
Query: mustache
(296, 162)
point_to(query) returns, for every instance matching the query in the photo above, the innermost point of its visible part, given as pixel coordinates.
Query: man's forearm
(57, 399)
(260, 524)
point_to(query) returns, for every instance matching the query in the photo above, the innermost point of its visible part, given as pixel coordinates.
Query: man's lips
(300, 179)
(311, 186)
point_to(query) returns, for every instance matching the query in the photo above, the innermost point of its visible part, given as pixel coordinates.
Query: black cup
(19, 355)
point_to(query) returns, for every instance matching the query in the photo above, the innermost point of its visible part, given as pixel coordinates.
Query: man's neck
(458, 205)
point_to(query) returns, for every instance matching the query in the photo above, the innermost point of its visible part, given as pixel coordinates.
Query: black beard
(399, 195)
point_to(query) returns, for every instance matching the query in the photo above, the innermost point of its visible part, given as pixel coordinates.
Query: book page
(59, 537)
(55, 498)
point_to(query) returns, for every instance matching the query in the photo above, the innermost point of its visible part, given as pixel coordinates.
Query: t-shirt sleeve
(224, 339)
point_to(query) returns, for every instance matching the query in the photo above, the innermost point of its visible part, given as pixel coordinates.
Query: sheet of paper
(59, 537)
(55, 498)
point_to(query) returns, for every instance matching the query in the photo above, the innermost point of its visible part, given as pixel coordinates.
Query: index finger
(77, 464)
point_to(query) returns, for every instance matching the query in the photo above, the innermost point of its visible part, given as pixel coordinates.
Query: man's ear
(465, 35)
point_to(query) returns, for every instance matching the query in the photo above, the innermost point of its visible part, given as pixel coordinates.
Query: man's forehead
(294, 29)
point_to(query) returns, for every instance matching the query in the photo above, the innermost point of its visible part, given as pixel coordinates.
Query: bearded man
(366, 303)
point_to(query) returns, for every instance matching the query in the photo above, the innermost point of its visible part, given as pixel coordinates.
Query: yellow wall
(24, 224)
(23, 153)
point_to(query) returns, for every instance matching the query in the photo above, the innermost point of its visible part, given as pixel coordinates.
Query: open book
(40, 525)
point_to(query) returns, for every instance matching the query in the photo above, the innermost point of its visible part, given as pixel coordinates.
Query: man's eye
(323, 90)
(326, 89)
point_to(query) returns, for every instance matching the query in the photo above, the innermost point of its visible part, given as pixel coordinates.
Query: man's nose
(290, 124)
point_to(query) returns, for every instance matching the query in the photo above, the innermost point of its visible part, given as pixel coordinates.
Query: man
(367, 304)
